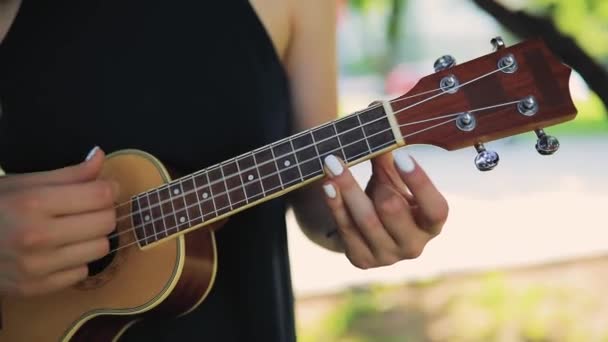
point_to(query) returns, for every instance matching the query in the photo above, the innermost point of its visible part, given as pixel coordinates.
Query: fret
(226, 186)
(203, 191)
(276, 163)
(352, 139)
(157, 215)
(250, 177)
(327, 142)
(179, 205)
(153, 219)
(234, 185)
(183, 196)
(307, 155)
(361, 125)
(333, 123)
(286, 164)
(218, 190)
(295, 159)
(377, 128)
(267, 169)
(144, 209)
(167, 208)
(137, 221)
(193, 203)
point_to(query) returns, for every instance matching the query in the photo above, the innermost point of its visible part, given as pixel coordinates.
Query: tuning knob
(485, 160)
(546, 144)
(497, 43)
(444, 62)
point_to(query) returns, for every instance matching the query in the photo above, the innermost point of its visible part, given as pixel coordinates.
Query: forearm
(314, 216)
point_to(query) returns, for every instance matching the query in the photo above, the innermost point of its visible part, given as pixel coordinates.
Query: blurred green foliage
(534, 313)
(591, 119)
(485, 308)
(585, 20)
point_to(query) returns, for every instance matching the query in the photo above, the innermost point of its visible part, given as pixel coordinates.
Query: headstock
(510, 91)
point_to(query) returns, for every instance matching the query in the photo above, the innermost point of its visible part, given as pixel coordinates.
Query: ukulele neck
(226, 188)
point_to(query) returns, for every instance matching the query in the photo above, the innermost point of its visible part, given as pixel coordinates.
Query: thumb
(87, 170)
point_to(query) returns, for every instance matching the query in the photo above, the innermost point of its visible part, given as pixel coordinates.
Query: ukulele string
(297, 163)
(240, 172)
(445, 92)
(154, 235)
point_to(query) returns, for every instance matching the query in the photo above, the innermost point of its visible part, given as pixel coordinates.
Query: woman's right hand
(52, 224)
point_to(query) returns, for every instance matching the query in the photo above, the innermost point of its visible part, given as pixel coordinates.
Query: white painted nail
(333, 164)
(91, 153)
(330, 191)
(404, 161)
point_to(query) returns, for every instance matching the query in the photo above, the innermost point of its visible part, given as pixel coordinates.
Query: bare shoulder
(8, 11)
(276, 15)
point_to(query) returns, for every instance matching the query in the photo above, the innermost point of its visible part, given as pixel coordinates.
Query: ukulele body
(164, 280)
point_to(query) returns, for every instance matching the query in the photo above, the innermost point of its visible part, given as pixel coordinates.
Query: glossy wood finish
(159, 282)
(539, 74)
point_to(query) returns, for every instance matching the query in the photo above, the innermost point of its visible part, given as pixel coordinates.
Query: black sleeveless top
(191, 82)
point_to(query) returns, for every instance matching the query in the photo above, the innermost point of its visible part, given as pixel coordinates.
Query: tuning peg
(497, 43)
(485, 160)
(546, 144)
(444, 62)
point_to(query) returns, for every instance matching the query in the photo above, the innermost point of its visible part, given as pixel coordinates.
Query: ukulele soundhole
(100, 265)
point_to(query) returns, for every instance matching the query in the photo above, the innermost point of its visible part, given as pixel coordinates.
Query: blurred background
(524, 254)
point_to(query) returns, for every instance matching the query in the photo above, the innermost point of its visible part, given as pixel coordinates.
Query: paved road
(529, 210)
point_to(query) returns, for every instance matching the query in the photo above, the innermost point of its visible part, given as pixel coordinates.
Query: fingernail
(404, 162)
(330, 191)
(334, 165)
(91, 153)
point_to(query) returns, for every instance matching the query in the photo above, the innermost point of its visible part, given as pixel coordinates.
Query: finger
(384, 171)
(360, 208)
(82, 172)
(356, 249)
(395, 214)
(432, 209)
(74, 228)
(78, 198)
(66, 257)
(52, 282)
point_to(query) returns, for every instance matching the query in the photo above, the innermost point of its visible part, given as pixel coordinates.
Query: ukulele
(164, 231)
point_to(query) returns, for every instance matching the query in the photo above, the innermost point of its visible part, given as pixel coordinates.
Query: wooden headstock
(501, 100)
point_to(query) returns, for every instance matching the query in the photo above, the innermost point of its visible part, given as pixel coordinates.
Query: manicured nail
(92, 153)
(404, 161)
(334, 165)
(330, 191)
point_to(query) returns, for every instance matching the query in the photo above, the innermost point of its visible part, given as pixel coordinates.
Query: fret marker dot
(250, 177)
(287, 163)
(176, 191)
(147, 217)
(205, 195)
(182, 219)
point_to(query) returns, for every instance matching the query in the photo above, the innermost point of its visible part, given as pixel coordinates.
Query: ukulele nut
(449, 84)
(466, 122)
(528, 106)
(508, 64)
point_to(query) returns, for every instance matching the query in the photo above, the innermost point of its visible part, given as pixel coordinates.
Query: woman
(193, 83)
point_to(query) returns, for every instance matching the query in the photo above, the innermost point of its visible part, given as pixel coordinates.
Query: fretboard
(267, 172)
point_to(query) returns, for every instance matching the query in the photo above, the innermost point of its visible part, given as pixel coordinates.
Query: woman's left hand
(399, 212)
